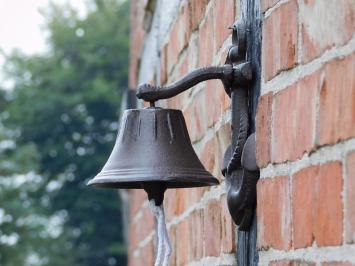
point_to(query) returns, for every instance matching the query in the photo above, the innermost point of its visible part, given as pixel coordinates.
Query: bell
(153, 151)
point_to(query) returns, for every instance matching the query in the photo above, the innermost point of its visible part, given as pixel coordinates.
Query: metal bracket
(239, 164)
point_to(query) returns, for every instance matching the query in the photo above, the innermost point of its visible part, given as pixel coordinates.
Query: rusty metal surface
(151, 93)
(153, 146)
(239, 158)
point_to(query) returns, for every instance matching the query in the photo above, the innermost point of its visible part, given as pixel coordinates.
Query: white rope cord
(163, 242)
(167, 243)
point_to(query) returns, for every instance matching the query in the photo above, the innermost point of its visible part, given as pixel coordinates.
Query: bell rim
(170, 184)
(197, 178)
(152, 109)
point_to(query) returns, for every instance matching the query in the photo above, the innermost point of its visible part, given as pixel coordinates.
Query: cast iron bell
(153, 151)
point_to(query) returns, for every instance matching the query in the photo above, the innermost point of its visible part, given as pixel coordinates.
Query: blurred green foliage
(57, 128)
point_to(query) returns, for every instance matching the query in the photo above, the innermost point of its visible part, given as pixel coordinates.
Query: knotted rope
(163, 241)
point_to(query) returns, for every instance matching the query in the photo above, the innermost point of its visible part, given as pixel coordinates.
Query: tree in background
(58, 126)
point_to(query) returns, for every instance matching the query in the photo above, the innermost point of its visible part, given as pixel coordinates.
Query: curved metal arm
(152, 93)
(230, 75)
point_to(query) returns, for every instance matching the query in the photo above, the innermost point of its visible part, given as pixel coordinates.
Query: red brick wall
(305, 133)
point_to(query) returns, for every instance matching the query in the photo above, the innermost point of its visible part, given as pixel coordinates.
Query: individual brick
(184, 26)
(137, 198)
(170, 204)
(223, 140)
(325, 24)
(303, 196)
(183, 243)
(228, 236)
(145, 257)
(147, 254)
(212, 229)
(206, 40)
(163, 65)
(263, 130)
(329, 207)
(172, 236)
(197, 11)
(196, 226)
(350, 199)
(195, 117)
(337, 101)
(280, 40)
(173, 47)
(224, 16)
(294, 115)
(216, 100)
(274, 213)
(317, 206)
(208, 155)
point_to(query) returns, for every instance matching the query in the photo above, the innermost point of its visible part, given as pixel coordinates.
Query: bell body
(153, 147)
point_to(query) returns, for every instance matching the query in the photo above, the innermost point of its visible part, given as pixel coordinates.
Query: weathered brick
(170, 203)
(208, 155)
(350, 199)
(263, 130)
(185, 198)
(149, 223)
(133, 72)
(183, 244)
(163, 65)
(137, 198)
(303, 196)
(145, 257)
(337, 101)
(280, 39)
(295, 119)
(196, 226)
(212, 229)
(147, 254)
(137, 34)
(325, 24)
(197, 11)
(317, 206)
(174, 102)
(206, 40)
(216, 100)
(195, 117)
(181, 200)
(228, 228)
(172, 236)
(273, 212)
(222, 141)
(173, 47)
(134, 237)
(184, 24)
(329, 207)
(224, 16)
(184, 66)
